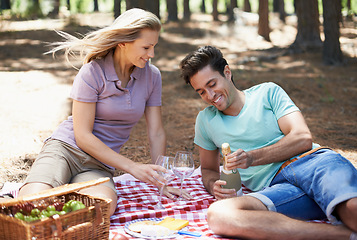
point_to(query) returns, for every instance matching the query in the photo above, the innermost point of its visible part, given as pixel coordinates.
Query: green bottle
(232, 177)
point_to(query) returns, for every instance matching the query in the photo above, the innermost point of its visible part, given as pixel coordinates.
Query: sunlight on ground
(32, 106)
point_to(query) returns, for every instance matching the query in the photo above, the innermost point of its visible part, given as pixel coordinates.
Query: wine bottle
(232, 177)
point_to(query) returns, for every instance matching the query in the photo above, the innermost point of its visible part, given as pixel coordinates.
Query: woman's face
(141, 50)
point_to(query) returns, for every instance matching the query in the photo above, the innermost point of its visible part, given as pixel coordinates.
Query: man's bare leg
(247, 217)
(347, 211)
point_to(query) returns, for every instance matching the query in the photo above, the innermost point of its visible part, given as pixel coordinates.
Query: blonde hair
(97, 44)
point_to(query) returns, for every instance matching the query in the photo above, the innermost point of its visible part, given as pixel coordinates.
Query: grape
(58, 206)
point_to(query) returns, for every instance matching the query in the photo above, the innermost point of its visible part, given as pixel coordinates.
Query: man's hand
(239, 159)
(222, 193)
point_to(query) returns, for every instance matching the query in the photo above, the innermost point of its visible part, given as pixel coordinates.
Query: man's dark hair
(197, 60)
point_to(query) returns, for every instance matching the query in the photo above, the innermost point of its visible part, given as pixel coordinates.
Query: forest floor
(35, 87)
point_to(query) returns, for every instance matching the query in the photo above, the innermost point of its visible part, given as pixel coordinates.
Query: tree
(349, 10)
(117, 8)
(96, 7)
(279, 7)
(131, 4)
(172, 10)
(154, 7)
(5, 4)
(56, 7)
(247, 7)
(186, 10)
(263, 23)
(203, 6)
(34, 9)
(231, 4)
(332, 54)
(215, 10)
(308, 27)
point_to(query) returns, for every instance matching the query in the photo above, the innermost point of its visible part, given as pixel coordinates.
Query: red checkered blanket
(136, 200)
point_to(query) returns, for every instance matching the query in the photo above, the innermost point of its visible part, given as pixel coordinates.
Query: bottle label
(234, 171)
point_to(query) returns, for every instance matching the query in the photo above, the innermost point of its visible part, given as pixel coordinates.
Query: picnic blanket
(136, 200)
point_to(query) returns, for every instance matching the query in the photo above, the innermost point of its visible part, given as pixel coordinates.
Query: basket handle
(97, 221)
(58, 232)
(98, 215)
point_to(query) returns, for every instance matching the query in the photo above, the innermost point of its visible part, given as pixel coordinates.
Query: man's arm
(297, 140)
(210, 162)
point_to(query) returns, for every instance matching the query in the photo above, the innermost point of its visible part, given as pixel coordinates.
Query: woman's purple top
(117, 109)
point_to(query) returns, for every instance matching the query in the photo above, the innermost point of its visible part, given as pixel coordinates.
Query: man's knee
(216, 216)
(222, 212)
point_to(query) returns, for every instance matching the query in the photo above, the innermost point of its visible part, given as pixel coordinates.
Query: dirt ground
(35, 87)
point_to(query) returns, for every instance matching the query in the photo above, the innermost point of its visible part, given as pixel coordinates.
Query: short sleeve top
(118, 109)
(256, 126)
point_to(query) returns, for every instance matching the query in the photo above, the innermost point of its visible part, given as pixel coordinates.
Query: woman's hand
(148, 173)
(170, 192)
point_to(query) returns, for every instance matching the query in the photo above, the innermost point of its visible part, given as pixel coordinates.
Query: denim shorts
(311, 187)
(59, 163)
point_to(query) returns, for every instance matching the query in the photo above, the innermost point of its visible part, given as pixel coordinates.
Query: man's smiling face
(213, 88)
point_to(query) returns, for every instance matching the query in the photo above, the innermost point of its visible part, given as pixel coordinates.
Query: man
(265, 128)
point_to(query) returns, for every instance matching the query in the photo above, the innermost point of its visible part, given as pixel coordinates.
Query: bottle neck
(224, 165)
(226, 171)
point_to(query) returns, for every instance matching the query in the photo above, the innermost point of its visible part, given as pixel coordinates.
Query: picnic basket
(91, 222)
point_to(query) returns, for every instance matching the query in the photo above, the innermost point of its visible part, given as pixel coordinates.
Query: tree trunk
(263, 23)
(172, 10)
(247, 7)
(34, 9)
(55, 11)
(279, 7)
(332, 54)
(215, 10)
(308, 27)
(154, 7)
(230, 9)
(349, 10)
(186, 10)
(69, 5)
(5, 4)
(96, 7)
(203, 6)
(117, 8)
(131, 4)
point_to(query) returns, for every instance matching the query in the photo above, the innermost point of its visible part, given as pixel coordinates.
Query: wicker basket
(91, 222)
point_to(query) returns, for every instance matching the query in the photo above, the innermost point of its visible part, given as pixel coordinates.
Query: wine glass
(183, 166)
(167, 163)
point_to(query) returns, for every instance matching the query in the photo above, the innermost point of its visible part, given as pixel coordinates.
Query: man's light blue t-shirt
(256, 126)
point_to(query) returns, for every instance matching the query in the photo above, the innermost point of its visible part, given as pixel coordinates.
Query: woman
(113, 89)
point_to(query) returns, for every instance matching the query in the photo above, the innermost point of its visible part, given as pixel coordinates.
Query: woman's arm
(83, 121)
(156, 132)
(157, 140)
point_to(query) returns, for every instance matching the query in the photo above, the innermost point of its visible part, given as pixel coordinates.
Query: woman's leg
(102, 191)
(33, 187)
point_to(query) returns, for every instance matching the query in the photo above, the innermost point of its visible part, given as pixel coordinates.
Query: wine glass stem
(161, 190)
(181, 188)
